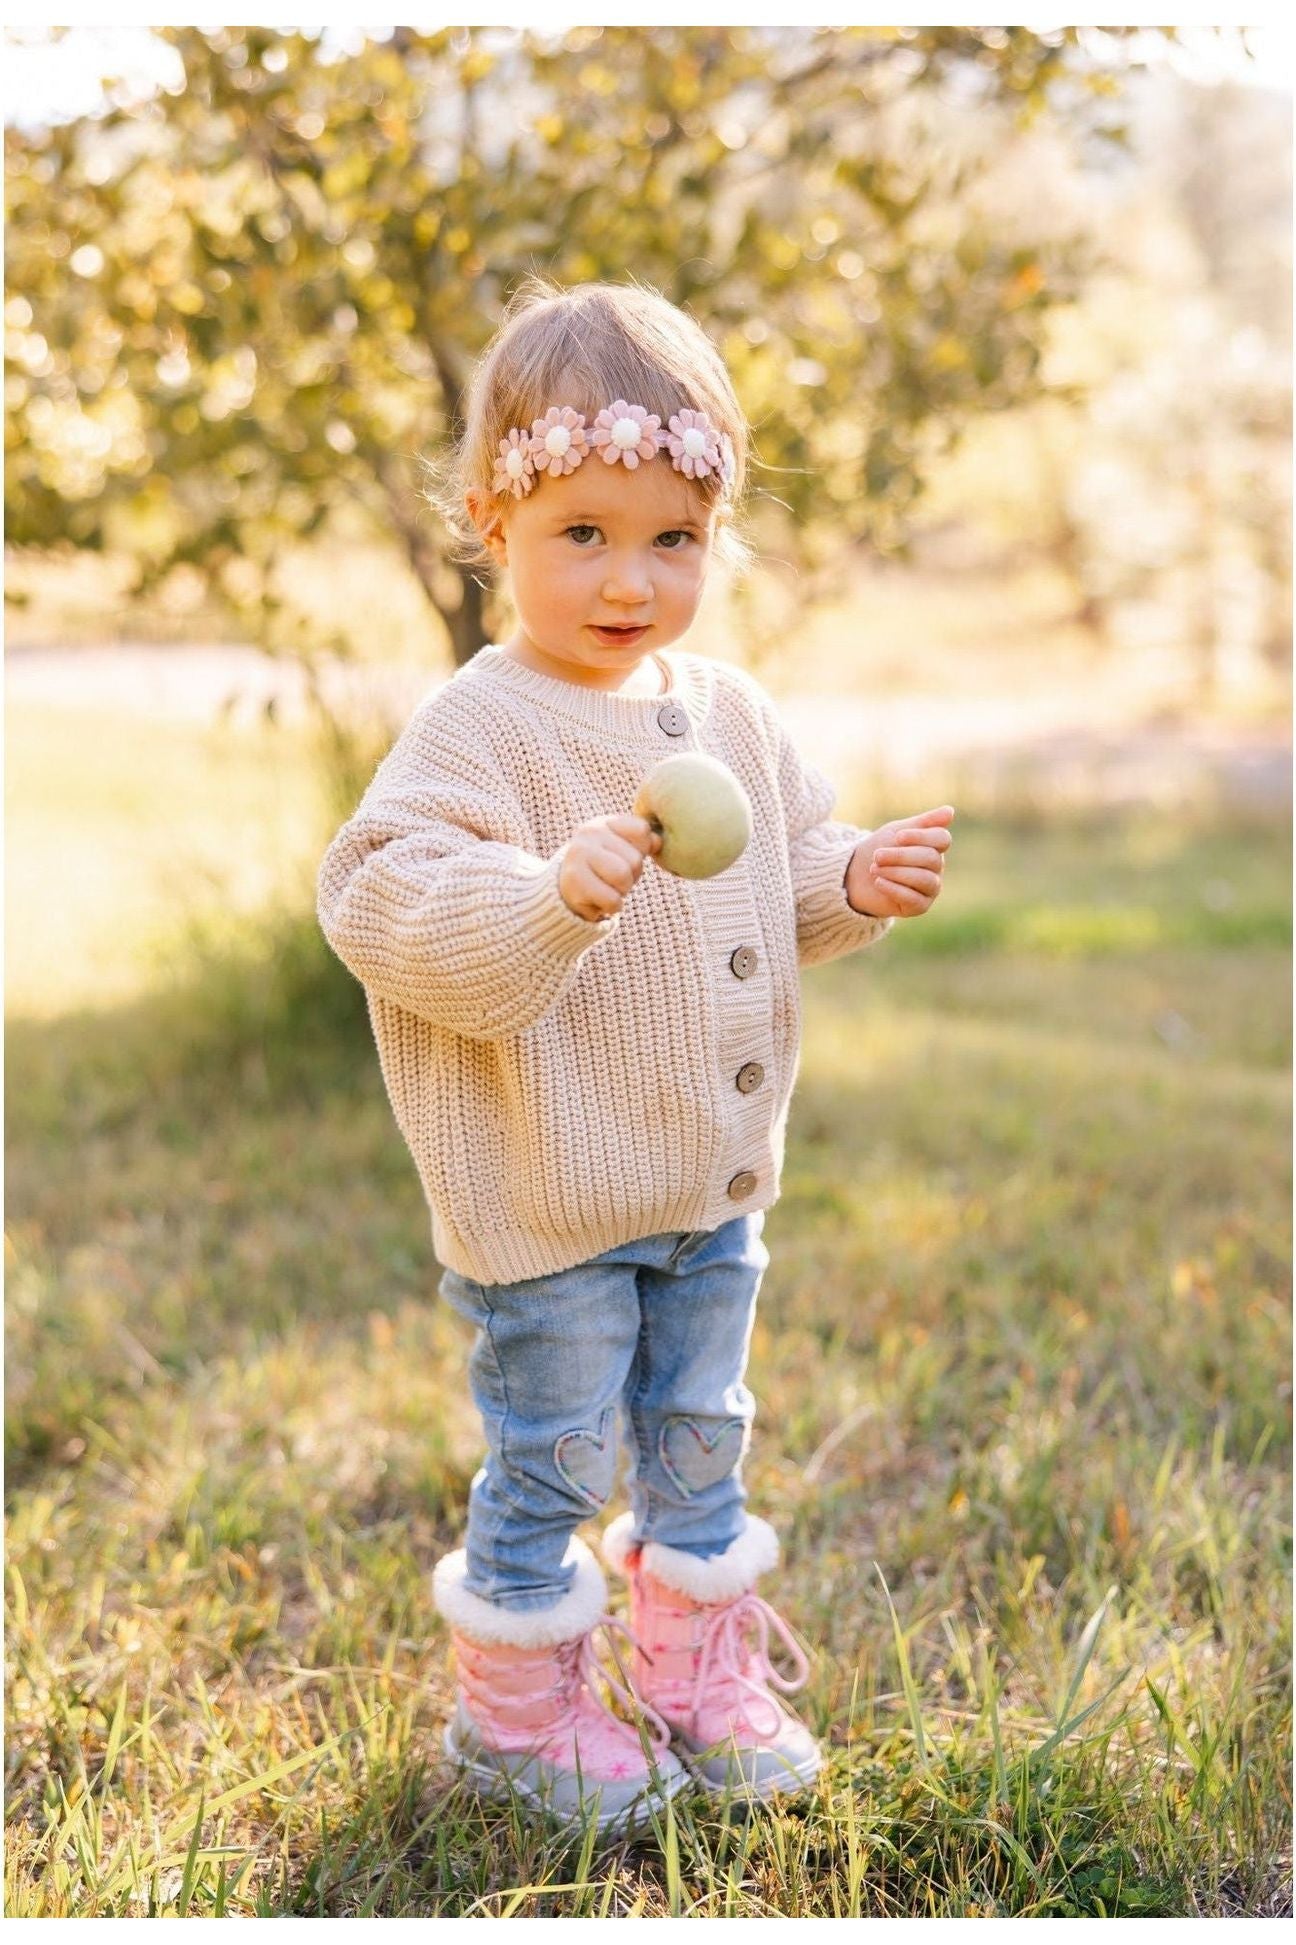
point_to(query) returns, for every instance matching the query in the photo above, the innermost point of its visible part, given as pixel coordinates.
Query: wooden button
(742, 1185)
(750, 1076)
(743, 962)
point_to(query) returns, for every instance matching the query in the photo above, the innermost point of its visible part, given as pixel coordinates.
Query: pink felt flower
(514, 469)
(558, 442)
(694, 444)
(627, 432)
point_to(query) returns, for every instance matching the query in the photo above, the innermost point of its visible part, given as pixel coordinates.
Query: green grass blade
(114, 1743)
(906, 1674)
(1088, 1642)
(191, 1863)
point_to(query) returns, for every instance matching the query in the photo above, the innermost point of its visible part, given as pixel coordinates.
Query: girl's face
(597, 551)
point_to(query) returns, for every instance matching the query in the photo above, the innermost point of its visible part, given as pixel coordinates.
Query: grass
(1021, 1365)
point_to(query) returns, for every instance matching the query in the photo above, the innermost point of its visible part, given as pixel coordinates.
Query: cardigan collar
(622, 717)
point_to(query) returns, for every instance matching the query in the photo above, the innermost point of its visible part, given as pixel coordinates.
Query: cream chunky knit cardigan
(564, 1085)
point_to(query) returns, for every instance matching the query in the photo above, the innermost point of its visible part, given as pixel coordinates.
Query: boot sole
(789, 1781)
(490, 1782)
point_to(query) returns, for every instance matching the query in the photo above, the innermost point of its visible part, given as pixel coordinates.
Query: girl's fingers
(930, 855)
(927, 882)
(904, 897)
(933, 836)
(941, 815)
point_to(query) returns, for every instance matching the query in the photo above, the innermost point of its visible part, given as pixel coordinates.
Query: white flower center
(557, 440)
(626, 433)
(515, 464)
(694, 442)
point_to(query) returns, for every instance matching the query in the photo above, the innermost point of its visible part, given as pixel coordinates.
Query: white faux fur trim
(542, 1627)
(614, 1542)
(720, 1578)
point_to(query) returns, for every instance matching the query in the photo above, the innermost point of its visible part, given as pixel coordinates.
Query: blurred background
(1010, 313)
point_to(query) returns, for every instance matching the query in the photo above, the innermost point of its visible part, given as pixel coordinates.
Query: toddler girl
(591, 1060)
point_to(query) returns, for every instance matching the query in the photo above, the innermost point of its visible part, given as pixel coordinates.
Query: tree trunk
(467, 622)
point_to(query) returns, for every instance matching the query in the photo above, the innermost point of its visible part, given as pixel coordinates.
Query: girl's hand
(896, 871)
(603, 862)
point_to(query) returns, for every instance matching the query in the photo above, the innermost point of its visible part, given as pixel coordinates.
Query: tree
(255, 298)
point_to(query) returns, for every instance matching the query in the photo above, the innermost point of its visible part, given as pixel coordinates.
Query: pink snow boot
(530, 1716)
(703, 1660)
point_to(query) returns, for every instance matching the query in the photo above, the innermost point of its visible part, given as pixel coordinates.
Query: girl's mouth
(619, 637)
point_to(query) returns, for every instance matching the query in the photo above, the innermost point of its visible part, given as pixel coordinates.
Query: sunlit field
(1022, 1372)
(1006, 314)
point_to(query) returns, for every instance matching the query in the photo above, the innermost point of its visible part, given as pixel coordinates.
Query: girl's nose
(627, 581)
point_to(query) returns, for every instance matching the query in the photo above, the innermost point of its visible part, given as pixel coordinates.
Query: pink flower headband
(558, 443)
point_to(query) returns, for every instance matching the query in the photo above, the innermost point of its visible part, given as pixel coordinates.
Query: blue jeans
(653, 1334)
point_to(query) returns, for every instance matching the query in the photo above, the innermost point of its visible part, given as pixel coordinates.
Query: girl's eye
(577, 532)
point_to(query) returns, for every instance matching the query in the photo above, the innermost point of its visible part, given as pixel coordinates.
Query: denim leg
(687, 1411)
(547, 1370)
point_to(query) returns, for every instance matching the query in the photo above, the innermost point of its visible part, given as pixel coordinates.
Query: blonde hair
(584, 347)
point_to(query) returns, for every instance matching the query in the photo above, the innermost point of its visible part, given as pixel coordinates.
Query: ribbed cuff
(831, 925)
(551, 923)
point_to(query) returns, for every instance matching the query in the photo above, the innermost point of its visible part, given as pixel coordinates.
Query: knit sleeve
(431, 899)
(820, 850)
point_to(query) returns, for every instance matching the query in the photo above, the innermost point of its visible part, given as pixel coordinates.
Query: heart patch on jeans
(587, 1460)
(692, 1457)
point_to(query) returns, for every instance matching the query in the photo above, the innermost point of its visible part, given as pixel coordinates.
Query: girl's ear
(487, 517)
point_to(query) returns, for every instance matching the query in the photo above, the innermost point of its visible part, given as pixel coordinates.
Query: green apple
(701, 810)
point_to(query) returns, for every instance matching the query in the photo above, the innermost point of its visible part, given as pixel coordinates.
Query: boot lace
(577, 1662)
(722, 1656)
